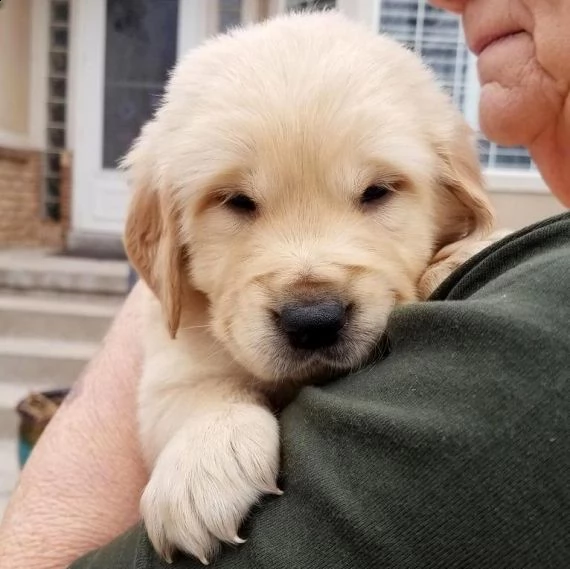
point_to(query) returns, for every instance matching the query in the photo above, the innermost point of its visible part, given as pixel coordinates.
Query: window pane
(56, 113)
(310, 4)
(59, 12)
(58, 63)
(438, 38)
(59, 38)
(229, 14)
(140, 49)
(57, 87)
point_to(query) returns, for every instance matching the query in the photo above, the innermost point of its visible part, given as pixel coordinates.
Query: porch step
(44, 270)
(54, 312)
(41, 361)
(57, 317)
(8, 470)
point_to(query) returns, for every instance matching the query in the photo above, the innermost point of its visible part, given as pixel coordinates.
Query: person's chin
(513, 104)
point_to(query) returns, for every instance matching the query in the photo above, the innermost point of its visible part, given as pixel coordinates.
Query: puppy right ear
(152, 241)
(464, 214)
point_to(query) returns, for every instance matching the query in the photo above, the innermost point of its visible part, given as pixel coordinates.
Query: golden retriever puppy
(301, 178)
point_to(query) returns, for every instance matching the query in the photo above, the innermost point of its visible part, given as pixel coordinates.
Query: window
(56, 106)
(437, 36)
(310, 4)
(140, 49)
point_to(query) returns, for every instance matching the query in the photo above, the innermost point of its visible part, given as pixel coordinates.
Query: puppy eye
(241, 203)
(374, 193)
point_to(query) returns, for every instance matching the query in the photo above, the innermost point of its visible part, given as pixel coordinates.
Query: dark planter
(35, 413)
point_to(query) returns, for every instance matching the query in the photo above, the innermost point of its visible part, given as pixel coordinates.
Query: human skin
(523, 61)
(81, 485)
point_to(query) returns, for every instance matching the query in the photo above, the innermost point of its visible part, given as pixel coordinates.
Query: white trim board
(39, 65)
(515, 182)
(14, 140)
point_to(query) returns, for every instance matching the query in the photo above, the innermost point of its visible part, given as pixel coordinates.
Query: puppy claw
(164, 550)
(274, 491)
(245, 443)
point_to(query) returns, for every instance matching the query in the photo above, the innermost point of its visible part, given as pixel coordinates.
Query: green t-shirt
(453, 451)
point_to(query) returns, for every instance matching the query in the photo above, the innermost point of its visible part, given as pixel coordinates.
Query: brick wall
(21, 222)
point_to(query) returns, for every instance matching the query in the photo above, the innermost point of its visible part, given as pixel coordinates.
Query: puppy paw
(451, 258)
(208, 477)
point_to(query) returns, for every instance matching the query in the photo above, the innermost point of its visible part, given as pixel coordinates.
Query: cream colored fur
(300, 114)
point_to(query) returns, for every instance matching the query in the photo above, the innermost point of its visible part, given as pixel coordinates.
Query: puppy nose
(313, 325)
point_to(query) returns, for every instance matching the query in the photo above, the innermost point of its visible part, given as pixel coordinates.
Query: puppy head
(302, 185)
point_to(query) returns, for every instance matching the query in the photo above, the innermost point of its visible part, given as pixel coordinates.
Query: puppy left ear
(464, 214)
(151, 237)
(151, 243)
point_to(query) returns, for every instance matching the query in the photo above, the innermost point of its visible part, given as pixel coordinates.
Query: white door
(123, 52)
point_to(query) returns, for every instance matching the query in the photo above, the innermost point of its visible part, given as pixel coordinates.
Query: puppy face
(303, 186)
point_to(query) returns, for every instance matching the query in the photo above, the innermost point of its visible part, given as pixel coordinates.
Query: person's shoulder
(537, 256)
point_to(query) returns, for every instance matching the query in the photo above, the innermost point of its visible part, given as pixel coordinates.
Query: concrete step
(54, 312)
(8, 470)
(58, 317)
(44, 270)
(10, 396)
(9, 419)
(36, 361)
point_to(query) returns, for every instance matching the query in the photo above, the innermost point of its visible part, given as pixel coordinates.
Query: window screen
(310, 4)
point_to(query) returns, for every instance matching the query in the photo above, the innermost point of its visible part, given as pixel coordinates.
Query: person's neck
(551, 152)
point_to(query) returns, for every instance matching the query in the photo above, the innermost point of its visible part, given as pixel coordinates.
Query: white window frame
(500, 180)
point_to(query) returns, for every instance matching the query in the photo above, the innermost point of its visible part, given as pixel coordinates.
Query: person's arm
(451, 452)
(81, 485)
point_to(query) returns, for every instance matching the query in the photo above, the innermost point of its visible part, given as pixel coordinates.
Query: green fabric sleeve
(451, 452)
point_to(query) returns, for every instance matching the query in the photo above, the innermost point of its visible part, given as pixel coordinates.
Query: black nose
(313, 326)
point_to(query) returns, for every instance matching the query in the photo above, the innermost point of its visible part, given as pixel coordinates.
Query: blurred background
(78, 78)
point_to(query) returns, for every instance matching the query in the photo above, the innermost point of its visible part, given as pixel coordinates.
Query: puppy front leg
(220, 455)
(451, 258)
